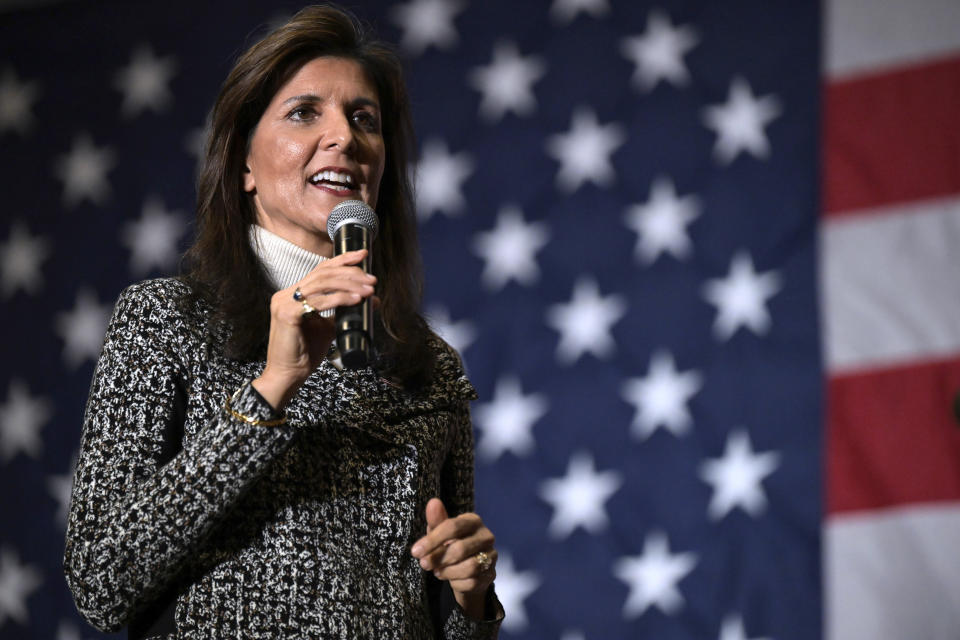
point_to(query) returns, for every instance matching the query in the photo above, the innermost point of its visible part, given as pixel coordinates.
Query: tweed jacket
(296, 531)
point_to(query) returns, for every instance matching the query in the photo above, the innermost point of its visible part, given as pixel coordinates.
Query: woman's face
(318, 143)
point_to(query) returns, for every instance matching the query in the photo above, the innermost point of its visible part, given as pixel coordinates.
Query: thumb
(436, 513)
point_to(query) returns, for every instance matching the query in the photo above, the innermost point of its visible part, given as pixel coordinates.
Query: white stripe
(893, 575)
(890, 285)
(864, 35)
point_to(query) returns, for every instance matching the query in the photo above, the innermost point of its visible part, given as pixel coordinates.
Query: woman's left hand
(459, 550)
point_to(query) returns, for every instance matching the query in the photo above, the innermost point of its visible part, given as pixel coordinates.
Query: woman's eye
(302, 113)
(367, 121)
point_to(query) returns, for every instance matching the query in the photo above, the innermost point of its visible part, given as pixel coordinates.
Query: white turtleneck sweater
(285, 263)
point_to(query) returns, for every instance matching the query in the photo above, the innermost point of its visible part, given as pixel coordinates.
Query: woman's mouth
(335, 181)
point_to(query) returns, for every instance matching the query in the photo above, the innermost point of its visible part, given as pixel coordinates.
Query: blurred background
(699, 258)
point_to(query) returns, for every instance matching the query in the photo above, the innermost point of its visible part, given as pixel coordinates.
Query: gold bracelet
(254, 421)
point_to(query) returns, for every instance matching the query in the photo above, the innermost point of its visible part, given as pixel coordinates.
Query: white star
(16, 100)
(741, 297)
(658, 53)
(509, 250)
(564, 11)
(427, 22)
(60, 487)
(507, 84)
(144, 82)
(513, 587)
(653, 576)
(507, 421)
(584, 152)
(737, 475)
(21, 419)
(195, 141)
(458, 335)
(660, 398)
(585, 323)
(66, 631)
(17, 582)
(152, 239)
(661, 222)
(439, 179)
(740, 122)
(732, 629)
(578, 498)
(83, 328)
(20, 259)
(84, 172)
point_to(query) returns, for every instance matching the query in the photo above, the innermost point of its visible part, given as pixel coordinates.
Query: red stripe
(892, 438)
(892, 137)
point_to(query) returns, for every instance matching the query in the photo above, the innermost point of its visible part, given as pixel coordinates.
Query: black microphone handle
(354, 323)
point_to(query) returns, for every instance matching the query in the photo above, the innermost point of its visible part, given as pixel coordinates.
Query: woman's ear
(249, 184)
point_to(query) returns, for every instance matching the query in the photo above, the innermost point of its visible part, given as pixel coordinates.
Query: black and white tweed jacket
(296, 531)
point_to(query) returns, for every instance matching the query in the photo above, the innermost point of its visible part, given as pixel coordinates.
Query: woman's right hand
(298, 343)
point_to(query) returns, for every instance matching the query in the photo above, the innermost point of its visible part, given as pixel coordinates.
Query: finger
(347, 257)
(454, 551)
(436, 513)
(334, 288)
(476, 584)
(447, 531)
(464, 548)
(430, 548)
(296, 313)
(338, 299)
(467, 568)
(333, 278)
(318, 294)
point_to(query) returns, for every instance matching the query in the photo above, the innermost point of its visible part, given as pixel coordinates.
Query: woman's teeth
(334, 179)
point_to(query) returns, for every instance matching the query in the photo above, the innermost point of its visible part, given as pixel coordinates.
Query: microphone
(352, 226)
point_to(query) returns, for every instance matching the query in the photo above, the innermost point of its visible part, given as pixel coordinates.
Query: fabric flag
(715, 357)
(891, 307)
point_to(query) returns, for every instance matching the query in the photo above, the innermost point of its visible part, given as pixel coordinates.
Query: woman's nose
(338, 133)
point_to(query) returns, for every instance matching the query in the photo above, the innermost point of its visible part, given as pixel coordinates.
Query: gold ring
(308, 310)
(297, 295)
(483, 560)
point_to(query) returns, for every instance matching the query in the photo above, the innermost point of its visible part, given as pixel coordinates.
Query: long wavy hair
(221, 267)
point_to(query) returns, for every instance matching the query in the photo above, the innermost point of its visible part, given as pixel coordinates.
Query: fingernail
(416, 550)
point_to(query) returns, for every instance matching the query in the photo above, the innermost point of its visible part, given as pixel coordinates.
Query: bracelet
(254, 421)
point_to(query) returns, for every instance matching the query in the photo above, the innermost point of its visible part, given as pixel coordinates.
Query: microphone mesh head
(353, 212)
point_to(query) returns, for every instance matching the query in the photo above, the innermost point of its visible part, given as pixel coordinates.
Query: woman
(233, 481)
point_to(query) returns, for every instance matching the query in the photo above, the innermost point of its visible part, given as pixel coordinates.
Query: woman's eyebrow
(310, 97)
(305, 97)
(365, 102)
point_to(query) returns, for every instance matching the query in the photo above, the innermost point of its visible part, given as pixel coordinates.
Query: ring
(483, 560)
(297, 295)
(308, 310)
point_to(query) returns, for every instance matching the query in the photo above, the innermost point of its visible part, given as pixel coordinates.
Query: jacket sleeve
(135, 522)
(457, 495)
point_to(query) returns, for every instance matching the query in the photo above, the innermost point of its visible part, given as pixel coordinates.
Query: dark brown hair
(222, 268)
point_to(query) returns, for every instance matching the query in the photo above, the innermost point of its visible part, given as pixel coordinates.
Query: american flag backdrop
(699, 258)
